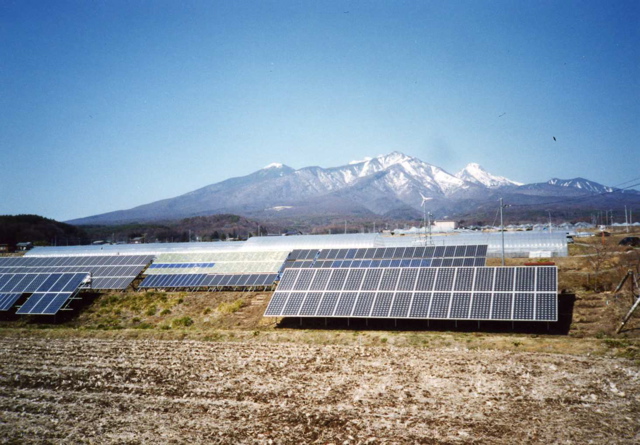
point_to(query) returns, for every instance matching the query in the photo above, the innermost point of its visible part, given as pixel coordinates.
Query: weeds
(230, 308)
(182, 322)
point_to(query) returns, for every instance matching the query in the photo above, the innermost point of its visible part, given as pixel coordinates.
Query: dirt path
(154, 391)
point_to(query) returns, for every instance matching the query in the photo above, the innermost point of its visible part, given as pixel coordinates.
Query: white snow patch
(366, 159)
(273, 165)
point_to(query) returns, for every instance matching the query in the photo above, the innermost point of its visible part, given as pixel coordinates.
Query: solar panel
(400, 305)
(454, 293)
(8, 300)
(345, 304)
(52, 294)
(363, 304)
(310, 305)
(177, 281)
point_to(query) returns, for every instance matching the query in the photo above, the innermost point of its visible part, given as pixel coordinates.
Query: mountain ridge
(385, 185)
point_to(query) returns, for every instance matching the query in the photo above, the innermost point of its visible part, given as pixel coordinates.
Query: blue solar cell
(523, 306)
(481, 306)
(444, 279)
(440, 305)
(389, 280)
(546, 307)
(525, 279)
(293, 304)
(8, 300)
(310, 304)
(504, 279)
(484, 279)
(382, 304)
(429, 252)
(371, 279)
(460, 303)
(49, 282)
(407, 281)
(9, 281)
(546, 280)
(400, 305)
(459, 251)
(363, 304)
(502, 304)
(29, 305)
(464, 279)
(327, 304)
(471, 251)
(426, 279)
(336, 282)
(288, 280)
(274, 309)
(354, 279)
(344, 307)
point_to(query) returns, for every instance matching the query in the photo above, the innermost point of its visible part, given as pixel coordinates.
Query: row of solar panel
(478, 279)
(416, 305)
(205, 280)
(179, 265)
(471, 251)
(49, 292)
(436, 262)
(222, 268)
(30, 283)
(103, 260)
(96, 271)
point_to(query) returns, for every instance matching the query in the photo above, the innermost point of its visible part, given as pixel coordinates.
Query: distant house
(4, 248)
(22, 247)
(445, 225)
(137, 240)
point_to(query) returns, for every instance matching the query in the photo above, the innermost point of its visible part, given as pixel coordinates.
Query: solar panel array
(49, 292)
(450, 293)
(107, 272)
(207, 281)
(217, 263)
(429, 256)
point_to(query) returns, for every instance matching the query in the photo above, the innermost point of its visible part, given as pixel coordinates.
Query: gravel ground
(87, 390)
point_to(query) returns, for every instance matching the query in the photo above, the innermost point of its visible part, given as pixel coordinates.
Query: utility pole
(502, 228)
(550, 229)
(626, 219)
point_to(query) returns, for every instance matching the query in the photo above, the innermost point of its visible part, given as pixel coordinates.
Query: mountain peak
(474, 173)
(273, 165)
(395, 157)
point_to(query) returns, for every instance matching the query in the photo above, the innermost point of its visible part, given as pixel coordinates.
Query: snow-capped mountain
(390, 185)
(474, 173)
(582, 184)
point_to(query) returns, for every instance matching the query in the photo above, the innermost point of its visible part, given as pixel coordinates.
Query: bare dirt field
(121, 390)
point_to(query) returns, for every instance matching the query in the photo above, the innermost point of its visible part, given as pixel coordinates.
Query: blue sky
(107, 105)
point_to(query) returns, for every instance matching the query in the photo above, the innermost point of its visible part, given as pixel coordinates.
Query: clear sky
(105, 105)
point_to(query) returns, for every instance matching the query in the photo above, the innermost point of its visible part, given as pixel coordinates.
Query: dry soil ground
(119, 390)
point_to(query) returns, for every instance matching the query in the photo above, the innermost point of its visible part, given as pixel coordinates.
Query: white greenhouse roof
(517, 244)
